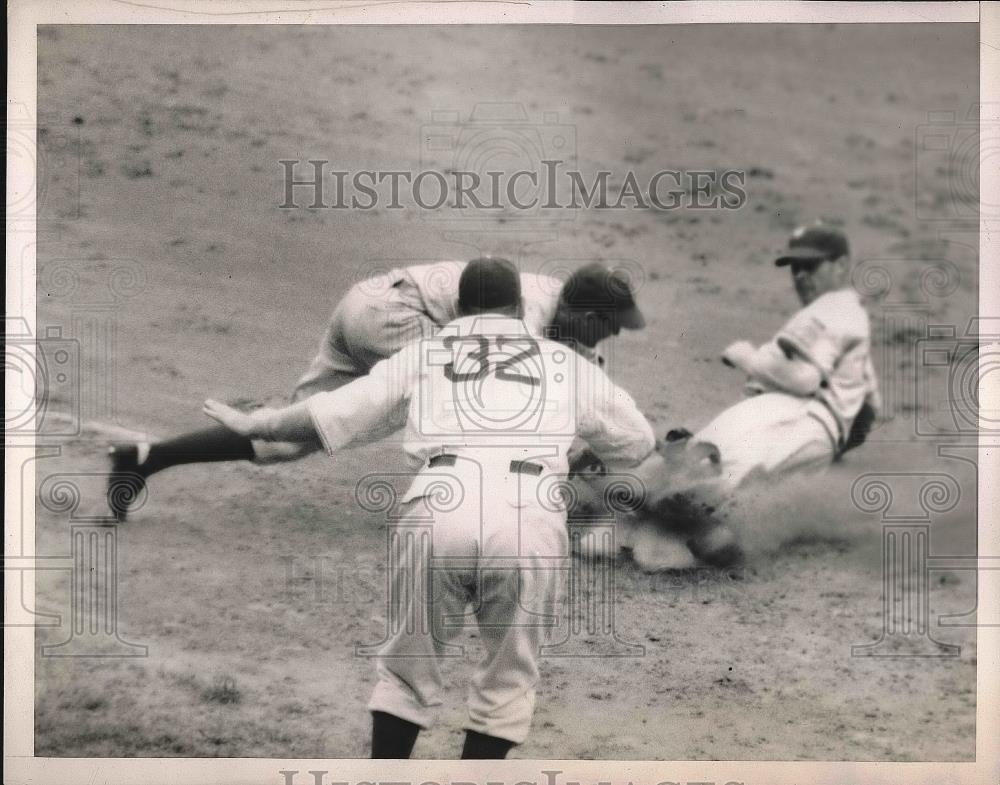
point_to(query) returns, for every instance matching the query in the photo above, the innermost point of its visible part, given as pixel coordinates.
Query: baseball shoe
(126, 481)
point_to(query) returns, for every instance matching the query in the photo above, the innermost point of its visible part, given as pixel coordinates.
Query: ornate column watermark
(905, 502)
(94, 583)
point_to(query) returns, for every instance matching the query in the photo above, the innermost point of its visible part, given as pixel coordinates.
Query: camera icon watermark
(495, 382)
(903, 292)
(952, 369)
(949, 152)
(44, 165)
(46, 372)
(509, 165)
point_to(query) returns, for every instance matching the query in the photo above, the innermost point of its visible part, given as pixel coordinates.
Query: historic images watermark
(497, 163)
(552, 187)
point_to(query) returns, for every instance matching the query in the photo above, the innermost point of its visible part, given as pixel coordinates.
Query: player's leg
(132, 463)
(421, 603)
(354, 321)
(377, 327)
(520, 577)
(761, 440)
(365, 330)
(393, 737)
(765, 434)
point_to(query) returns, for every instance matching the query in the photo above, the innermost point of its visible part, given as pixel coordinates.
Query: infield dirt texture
(251, 586)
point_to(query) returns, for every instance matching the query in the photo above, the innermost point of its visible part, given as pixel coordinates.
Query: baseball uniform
(805, 387)
(490, 413)
(379, 316)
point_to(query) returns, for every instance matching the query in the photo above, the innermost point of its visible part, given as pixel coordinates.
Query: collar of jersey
(486, 324)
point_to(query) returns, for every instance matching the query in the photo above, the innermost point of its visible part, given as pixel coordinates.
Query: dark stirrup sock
(479, 746)
(211, 445)
(392, 737)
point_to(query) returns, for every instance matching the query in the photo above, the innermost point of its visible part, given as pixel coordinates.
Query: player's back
(487, 388)
(437, 287)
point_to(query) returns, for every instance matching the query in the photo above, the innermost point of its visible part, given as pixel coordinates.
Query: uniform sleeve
(369, 408)
(290, 424)
(824, 331)
(609, 421)
(794, 375)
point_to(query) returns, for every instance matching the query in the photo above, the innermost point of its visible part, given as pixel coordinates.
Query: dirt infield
(252, 586)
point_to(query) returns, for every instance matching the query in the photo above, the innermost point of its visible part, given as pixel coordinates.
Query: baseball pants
(768, 434)
(507, 561)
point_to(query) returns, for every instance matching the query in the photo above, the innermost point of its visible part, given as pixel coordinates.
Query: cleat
(126, 482)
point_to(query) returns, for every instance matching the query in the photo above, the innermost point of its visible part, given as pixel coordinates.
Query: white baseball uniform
(489, 413)
(379, 316)
(805, 388)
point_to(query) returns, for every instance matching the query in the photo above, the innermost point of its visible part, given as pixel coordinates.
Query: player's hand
(738, 354)
(234, 419)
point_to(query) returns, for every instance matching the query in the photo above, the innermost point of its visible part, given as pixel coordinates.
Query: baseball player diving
(810, 395)
(490, 411)
(374, 320)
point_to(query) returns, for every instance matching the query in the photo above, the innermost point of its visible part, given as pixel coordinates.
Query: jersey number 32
(478, 363)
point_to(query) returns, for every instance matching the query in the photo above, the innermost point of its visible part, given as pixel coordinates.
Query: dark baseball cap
(488, 284)
(816, 242)
(595, 287)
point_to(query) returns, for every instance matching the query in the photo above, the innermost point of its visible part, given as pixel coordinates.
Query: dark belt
(516, 467)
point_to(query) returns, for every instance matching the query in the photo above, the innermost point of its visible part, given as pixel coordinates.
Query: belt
(516, 467)
(839, 438)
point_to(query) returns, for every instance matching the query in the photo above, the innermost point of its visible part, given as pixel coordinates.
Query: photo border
(21, 766)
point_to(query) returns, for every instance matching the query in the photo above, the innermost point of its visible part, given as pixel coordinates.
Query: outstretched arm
(290, 424)
(610, 422)
(365, 410)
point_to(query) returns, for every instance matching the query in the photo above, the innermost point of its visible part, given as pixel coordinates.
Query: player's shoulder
(840, 309)
(839, 299)
(441, 277)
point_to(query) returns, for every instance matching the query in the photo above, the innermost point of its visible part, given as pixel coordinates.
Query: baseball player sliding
(374, 320)
(811, 394)
(490, 412)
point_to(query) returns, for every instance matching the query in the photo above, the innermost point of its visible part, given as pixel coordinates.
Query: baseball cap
(595, 287)
(487, 284)
(816, 242)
